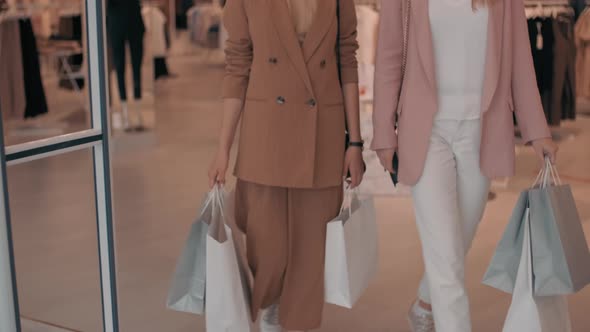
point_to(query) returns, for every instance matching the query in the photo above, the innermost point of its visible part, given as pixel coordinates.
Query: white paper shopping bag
(351, 252)
(530, 313)
(227, 294)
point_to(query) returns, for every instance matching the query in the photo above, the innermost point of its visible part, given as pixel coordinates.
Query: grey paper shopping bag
(561, 259)
(187, 291)
(530, 313)
(503, 269)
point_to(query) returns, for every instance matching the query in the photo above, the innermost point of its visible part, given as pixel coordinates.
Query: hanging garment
(160, 68)
(563, 99)
(70, 27)
(192, 16)
(182, 7)
(12, 86)
(582, 41)
(155, 26)
(34, 90)
(578, 6)
(542, 45)
(202, 20)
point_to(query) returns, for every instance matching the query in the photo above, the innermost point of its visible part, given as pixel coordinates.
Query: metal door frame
(96, 138)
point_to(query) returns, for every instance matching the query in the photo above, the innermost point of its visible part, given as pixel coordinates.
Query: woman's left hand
(353, 165)
(545, 147)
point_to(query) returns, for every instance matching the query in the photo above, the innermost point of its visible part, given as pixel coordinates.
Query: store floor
(157, 190)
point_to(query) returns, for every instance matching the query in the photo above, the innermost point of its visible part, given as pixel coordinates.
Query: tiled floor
(157, 187)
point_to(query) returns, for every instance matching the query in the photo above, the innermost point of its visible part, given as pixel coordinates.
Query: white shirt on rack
(460, 43)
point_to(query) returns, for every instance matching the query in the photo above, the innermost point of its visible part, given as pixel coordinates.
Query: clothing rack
(36, 7)
(550, 24)
(529, 3)
(33, 102)
(29, 10)
(15, 15)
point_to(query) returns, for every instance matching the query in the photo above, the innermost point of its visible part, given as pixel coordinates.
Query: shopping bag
(503, 268)
(227, 301)
(560, 255)
(561, 259)
(351, 251)
(528, 312)
(187, 290)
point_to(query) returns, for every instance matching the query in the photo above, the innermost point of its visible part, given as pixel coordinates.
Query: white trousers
(449, 200)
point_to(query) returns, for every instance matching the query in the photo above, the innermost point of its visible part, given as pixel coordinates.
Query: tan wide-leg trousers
(286, 234)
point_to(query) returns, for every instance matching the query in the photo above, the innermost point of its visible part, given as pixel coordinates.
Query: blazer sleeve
(388, 75)
(238, 50)
(348, 42)
(527, 101)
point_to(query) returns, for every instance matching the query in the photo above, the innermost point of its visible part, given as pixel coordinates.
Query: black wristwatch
(360, 144)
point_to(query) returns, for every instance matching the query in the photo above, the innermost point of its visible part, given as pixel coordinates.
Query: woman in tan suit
(468, 70)
(293, 96)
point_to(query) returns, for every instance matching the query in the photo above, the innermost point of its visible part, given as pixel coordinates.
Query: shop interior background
(162, 143)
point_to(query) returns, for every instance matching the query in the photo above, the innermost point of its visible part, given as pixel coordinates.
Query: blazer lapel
(420, 19)
(324, 17)
(281, 17)
(494, 53)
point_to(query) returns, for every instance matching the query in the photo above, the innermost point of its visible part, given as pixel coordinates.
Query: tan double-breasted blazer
(293, 120)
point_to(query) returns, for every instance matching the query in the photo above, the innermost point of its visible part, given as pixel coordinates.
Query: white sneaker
(269, 319)
(420, 319)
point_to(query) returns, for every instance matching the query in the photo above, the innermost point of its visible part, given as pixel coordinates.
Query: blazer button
(273, 60)
(323, 64)
(312, 103)
(280, 100)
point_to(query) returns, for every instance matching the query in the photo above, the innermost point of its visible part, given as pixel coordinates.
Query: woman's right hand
(386, 159)
(218, 169)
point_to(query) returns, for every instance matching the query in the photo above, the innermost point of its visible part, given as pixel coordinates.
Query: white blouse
(302, 14)
(460, 40)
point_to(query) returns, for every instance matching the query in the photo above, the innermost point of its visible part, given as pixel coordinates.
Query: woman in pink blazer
(468, 70)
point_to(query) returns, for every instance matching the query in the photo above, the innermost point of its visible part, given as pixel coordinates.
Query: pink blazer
(509, 86)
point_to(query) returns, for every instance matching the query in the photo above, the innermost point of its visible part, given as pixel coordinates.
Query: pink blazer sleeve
(388, 64)
(525, 94)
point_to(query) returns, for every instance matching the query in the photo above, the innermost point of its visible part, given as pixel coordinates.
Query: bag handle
(217, 227)
(550, 170)
(548, 173)
(349, 194)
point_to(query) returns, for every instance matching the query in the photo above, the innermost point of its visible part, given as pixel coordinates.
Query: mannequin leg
(136, 46)
(118, 46)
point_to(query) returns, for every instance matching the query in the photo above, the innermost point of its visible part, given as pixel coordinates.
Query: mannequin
(579, 6)
(155, 21)
(125, 27)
